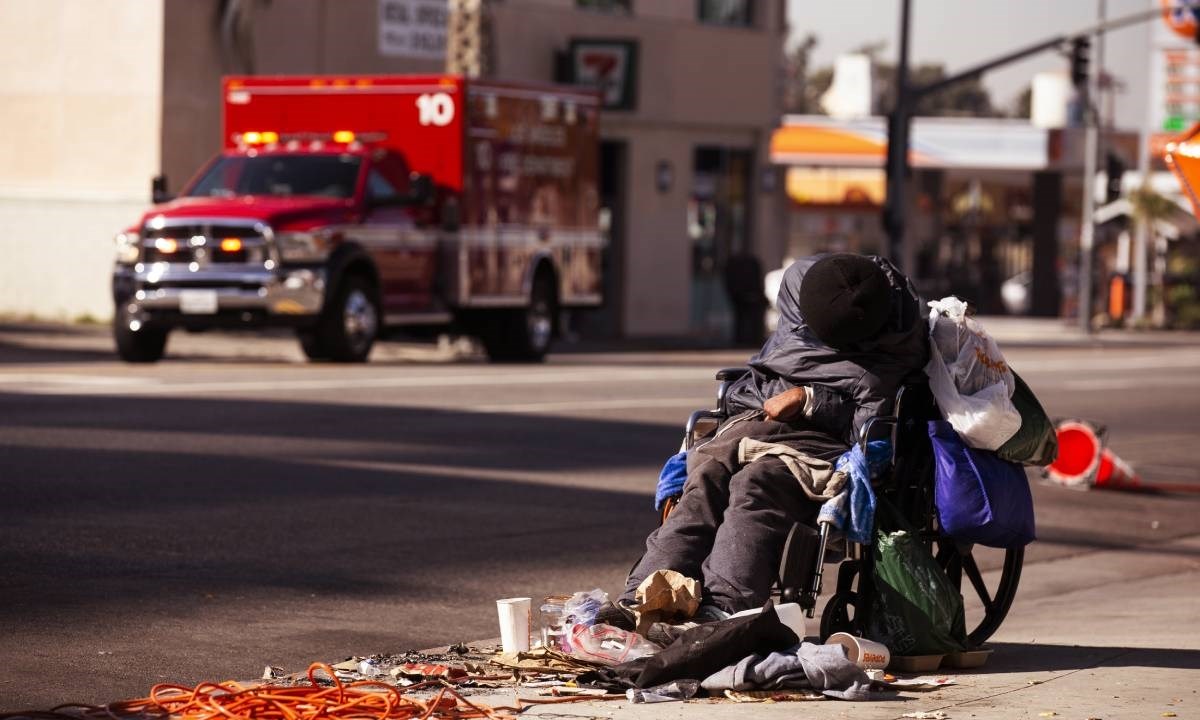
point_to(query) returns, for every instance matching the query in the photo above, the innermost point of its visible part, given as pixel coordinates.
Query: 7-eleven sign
(610, 66)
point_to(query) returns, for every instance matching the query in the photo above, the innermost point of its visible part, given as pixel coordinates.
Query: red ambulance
(345, 207)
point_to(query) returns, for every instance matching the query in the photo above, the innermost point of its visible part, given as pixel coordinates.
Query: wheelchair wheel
(836, 615)
(986, 606)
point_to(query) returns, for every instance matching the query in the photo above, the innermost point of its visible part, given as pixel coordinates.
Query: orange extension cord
(363, 700)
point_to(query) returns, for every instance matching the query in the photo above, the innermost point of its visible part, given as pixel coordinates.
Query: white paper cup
(514, 623)
(867, 654)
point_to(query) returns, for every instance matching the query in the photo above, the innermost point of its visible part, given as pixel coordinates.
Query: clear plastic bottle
(552, 621)
(608, 645)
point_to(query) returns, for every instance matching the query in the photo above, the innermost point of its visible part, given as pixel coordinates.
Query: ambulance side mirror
(420, 189)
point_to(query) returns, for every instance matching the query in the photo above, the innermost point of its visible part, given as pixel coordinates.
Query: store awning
(976, 143)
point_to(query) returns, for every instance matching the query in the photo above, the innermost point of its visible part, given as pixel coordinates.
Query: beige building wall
(81, 88)
(698, 85)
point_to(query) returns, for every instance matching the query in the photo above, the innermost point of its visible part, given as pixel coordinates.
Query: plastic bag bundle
(917, 610)
(582, 607)
(969, 377)
(1036, 443)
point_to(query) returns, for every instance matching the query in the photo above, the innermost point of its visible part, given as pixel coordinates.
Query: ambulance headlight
(298, 247)
(128, 247)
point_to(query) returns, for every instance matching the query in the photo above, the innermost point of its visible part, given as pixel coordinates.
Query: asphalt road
(234, 507)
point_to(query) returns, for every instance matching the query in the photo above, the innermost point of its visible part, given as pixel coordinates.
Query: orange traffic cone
(1113, 473)
(1078, 458)
(1084, 462)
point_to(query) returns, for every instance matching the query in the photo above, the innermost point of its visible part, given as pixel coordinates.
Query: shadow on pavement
(15, 353)
(1031, 657)
(184, 496)
(201, 538)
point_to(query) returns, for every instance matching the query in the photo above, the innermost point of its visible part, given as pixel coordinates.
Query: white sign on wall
(413, 28)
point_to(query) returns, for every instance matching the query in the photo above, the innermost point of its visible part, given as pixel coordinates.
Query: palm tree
(1151, 208)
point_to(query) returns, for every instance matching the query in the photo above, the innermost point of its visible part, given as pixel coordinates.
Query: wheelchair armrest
(689, 431)
(732, 374)
(864, 435)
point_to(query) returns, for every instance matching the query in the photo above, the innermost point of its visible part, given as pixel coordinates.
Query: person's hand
(787, 405)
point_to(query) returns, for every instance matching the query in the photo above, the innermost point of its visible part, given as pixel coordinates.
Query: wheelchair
(907, 484)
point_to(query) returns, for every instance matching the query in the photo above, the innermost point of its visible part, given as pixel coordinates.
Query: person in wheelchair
(850, 332)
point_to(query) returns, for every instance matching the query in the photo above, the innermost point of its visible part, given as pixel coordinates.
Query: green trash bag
(916, 609)
(1036, 442)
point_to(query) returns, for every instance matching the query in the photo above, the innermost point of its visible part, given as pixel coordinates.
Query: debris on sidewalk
(324, 695)
(667, 692)
(921, 683)
(766, 696)
(666, 596)
(926, 715)
(753, 658)
(544, 660)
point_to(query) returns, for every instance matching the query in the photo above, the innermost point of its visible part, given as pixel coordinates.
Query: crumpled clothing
(853, 510)
(671, 479)
(699, 652)
(817, 477)
(824, 668)
(665, 596)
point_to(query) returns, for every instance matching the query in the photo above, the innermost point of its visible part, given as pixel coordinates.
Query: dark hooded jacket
(849, 384)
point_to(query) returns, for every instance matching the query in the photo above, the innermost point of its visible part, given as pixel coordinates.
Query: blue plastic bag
(980, 498)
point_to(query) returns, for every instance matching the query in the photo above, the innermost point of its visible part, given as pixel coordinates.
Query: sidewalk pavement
(1095, 635)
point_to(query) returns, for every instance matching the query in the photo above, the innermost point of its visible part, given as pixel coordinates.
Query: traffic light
(1114, 168)
(1081, 48)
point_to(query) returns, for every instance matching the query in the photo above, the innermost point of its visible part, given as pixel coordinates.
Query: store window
(609, 6)
(737, 13)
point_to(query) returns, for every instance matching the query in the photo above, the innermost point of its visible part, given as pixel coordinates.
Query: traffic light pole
(1087, 228)
(907, 97)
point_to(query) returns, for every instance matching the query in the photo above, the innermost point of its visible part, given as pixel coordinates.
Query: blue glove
(671, 479)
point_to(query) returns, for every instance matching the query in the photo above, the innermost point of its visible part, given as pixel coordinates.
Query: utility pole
(1141, 227)
(897, 150)
(1087, 224)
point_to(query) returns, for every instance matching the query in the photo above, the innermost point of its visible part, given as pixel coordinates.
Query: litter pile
(758, 656)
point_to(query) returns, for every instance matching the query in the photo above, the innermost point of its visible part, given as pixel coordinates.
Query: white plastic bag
(969, 378)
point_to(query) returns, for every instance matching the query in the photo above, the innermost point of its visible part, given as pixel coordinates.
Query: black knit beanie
(845, 299)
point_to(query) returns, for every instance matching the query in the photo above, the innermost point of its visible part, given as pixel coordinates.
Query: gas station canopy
(976, 143)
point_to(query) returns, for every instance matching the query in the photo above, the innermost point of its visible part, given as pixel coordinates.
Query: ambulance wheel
(350, 323)
(524, 335)
(310, 343)
(137, 343)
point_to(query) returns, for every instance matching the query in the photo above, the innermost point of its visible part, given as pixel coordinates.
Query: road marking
(612, 404)
(596, 375)
(1109, 363)
(1132, 383)
(67, 379)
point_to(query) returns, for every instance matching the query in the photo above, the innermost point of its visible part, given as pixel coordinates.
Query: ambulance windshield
(280, 176)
